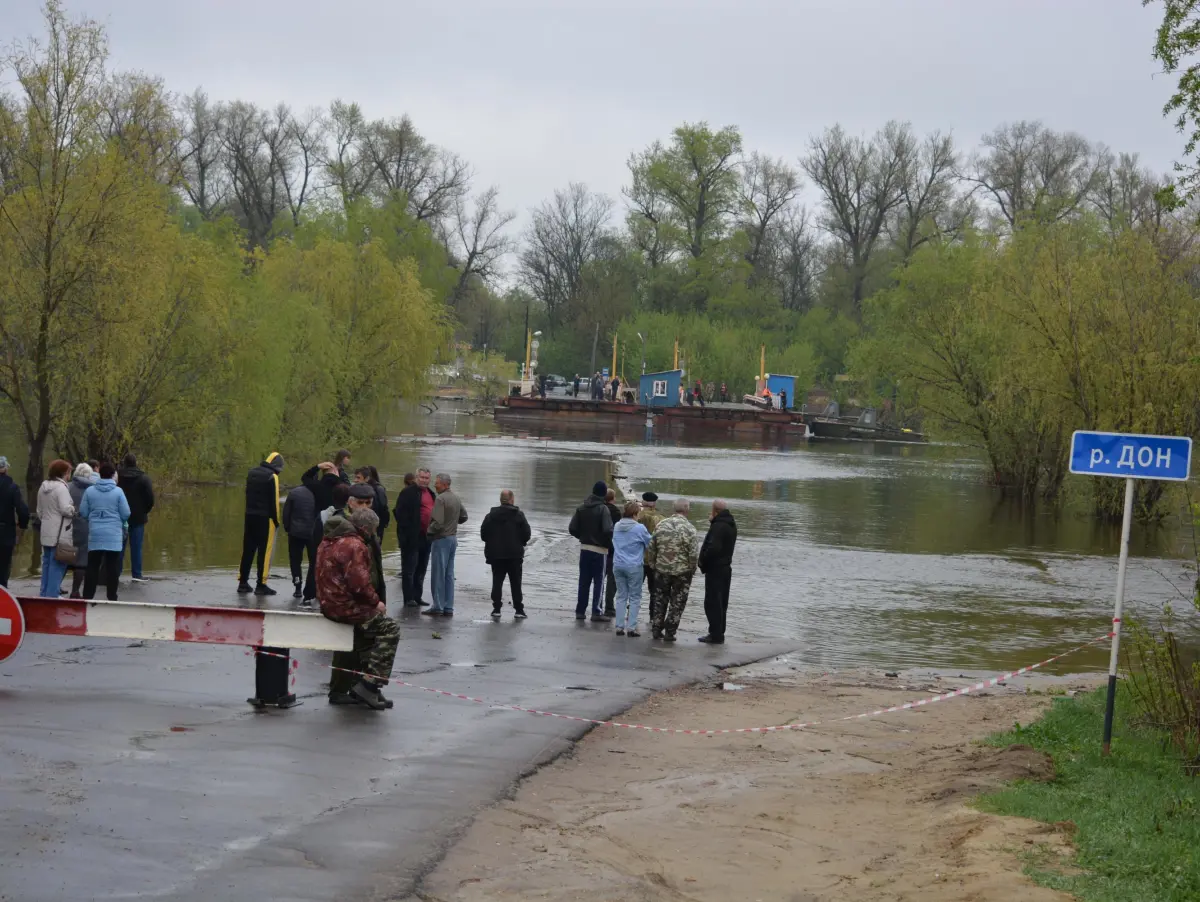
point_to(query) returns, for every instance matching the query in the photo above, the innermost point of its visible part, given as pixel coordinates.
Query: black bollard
(272, 670)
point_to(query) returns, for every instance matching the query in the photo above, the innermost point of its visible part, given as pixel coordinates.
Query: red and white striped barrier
(966, 690)
(184, 623)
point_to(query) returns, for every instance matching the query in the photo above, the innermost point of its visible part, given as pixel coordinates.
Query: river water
(865, 553)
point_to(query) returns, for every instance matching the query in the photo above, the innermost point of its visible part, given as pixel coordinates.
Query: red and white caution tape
(966, 690)
(466, 435)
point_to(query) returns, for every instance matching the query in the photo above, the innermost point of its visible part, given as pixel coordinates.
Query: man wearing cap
(592, 525)
(673, 554)
(649, 517)
(14, 519)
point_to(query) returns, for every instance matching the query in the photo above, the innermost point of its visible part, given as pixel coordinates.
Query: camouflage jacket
(345, 587)
(673, 548)
(650, 519)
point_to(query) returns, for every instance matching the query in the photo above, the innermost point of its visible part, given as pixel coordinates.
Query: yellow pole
(675, 365)
(528, 349)
(762, 367)
(613, 371)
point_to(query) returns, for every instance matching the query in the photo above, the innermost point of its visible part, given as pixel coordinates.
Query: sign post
(1130, 457)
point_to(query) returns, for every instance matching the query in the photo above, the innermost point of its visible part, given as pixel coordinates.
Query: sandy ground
(873, 809)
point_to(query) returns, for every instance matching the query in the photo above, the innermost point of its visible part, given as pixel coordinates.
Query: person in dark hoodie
(414, 510)
(505, 533)
(139, 492)
(14, 519)
(610, 581)
(368, 475)
(262, 510)
(716, 563)
(592, 525)
(300, 521)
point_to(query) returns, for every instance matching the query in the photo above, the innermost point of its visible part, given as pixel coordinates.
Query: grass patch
(1137, 813)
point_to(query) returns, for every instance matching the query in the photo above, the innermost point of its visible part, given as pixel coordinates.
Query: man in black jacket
(505, 533)
(610, 581)
(414, 508)
(139, 492)
(14, 519)
(592, 525)
(301, 522)
(716, 563)
(262, 509)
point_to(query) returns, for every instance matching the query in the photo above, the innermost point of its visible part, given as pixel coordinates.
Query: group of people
(86, 517)
(636, 544)
(598, 387)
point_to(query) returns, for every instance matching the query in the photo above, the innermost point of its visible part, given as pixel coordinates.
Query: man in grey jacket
(300, 522)
(448, 513)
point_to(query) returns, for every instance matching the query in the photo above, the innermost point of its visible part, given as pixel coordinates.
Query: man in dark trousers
(610, 582)
(716, 563)
(139, 492)
(505, 533)
(262, 510)
(592, 525)
(14, 519)
(301, 520)
(414, 508)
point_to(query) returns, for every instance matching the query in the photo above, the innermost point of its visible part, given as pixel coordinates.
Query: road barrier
(276, 632)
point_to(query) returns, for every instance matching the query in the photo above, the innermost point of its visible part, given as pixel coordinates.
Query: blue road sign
(1166, 457)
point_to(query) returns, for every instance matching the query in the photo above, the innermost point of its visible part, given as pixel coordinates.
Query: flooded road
(880, 554)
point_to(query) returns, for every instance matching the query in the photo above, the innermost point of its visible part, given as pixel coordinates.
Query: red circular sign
(12, 624)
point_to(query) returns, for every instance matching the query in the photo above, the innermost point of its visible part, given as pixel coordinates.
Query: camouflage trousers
(375, 644)
(668, 598)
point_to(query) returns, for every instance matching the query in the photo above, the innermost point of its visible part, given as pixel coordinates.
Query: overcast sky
(540, 93)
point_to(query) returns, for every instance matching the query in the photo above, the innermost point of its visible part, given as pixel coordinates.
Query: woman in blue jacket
(107, 511)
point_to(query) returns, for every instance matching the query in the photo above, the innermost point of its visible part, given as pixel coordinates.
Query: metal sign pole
(1126, 521)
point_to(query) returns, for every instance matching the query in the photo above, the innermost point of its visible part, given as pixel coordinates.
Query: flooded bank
(865, 554)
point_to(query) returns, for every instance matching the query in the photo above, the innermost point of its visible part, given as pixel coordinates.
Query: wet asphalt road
(131, 770)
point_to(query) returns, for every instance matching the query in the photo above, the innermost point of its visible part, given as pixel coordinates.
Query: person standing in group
(616, 386)
(14, 520)
(348, 594)
(698, 391)
(55, 511)
(414, 510)
(85, 477)
(505, 533)
(724, 393)
(575, 387)
(139, 492)
(649, 517)
(448, 514)
(716, 563)
(630, 540)
(262, 511)
(368, 475)
(783, 402)
(592, 525)
(106, 509)
(672, 554)
(341, 460)
(300, 522)
(610, 584)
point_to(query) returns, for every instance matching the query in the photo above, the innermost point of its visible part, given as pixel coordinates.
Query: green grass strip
(1137, 812)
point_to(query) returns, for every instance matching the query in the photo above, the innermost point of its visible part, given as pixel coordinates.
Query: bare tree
(258, 147)
(565, 234)
(795, 259)
(930, 206)
(479, 241)
(862, 183)
(305, 149)
(768, 187)
(430, 179)
(201, 154)
(1030, 172)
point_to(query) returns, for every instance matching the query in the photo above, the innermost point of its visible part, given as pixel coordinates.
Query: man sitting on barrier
(347, 594)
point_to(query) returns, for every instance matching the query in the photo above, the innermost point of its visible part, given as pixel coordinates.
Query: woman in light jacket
(84, 479)
(55, 511)
(107, 511)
